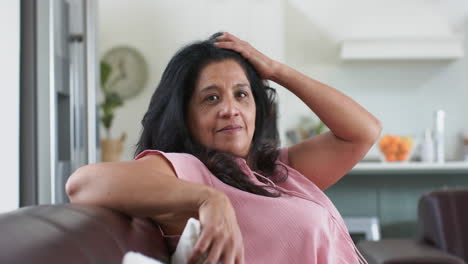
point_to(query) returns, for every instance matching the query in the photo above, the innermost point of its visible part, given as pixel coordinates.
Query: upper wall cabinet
(388, 30)
(430, 48)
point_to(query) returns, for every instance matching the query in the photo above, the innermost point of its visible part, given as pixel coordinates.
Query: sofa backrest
(443, 220)
(71, 234)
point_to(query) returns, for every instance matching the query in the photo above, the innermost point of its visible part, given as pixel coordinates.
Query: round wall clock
(129, 71)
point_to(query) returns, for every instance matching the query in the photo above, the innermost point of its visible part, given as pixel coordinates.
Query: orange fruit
(390, 157)
(402, 156)
(405, 147)
(395, 148)
(383, 141)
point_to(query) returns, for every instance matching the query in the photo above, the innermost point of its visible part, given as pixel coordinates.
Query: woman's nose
(229, 109)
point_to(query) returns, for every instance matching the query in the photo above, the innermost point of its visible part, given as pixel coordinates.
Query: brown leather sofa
(442, 238)
(58, 234)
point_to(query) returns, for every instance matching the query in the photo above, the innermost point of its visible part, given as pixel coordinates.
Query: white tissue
(137, 258)
(183, 251)
(187, 242)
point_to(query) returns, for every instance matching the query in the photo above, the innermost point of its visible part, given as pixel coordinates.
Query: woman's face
(221, 112)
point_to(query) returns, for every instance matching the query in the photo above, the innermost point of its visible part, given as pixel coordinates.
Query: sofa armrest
(404, 251)
(68, 233)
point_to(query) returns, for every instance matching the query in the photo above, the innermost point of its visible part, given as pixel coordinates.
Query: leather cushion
(76, 234)
(443, 220)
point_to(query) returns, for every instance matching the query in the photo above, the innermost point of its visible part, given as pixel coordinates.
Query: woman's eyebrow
(241, 85)
(215, 87)
(208, 88)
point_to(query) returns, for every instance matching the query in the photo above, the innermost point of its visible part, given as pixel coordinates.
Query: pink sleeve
(186, 166)
(283, 156)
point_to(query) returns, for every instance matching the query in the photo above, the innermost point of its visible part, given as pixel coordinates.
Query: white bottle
(439, 136)
(427, 147)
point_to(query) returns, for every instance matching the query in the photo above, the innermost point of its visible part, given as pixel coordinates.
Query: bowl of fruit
(395, 148)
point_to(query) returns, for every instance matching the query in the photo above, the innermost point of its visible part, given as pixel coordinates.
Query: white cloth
(187, 241)
(137, 258)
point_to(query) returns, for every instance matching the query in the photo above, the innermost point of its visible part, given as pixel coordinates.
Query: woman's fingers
(239, 248)
(231, 41)
(228, 36)
(235, 252)
(215, 252)
(219, 245)
(220, 232)
(229, 45)
(244, 49)
(229, 256)
(202, 245)
(240, 258)
(262, 63)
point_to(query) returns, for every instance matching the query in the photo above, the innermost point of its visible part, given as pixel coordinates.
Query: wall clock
(129, 71)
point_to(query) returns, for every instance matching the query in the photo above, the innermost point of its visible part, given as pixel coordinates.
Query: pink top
(302, 226)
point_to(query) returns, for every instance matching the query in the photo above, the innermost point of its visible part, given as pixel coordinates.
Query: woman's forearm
(345, 118)
(135, 188)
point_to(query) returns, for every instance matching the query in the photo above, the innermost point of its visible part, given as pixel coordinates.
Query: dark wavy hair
(165, 125)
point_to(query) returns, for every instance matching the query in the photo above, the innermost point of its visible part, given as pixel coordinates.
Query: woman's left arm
(325, 158)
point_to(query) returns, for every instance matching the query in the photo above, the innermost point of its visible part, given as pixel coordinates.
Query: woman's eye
(212, 98)
(242, 94)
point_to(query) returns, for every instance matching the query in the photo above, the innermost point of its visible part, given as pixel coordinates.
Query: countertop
(373, 167)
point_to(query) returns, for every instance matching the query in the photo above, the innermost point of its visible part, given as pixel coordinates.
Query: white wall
(9, 104)
(402, 94)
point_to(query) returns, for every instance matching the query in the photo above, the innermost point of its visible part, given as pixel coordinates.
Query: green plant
(112, 100)
(318, 129)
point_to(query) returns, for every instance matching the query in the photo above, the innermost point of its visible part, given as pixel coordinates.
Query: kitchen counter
(452, 167)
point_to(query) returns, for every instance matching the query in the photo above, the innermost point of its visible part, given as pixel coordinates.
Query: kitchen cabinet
(390, 192)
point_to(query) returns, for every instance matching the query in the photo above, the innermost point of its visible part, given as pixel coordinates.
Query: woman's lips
(230, 129)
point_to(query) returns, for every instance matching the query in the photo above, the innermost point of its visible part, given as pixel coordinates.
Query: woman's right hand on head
(220, 234)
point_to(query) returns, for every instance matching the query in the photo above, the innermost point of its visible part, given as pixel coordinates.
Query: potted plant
(111, 149)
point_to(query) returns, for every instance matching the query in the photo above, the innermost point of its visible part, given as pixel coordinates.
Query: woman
(209, 150)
